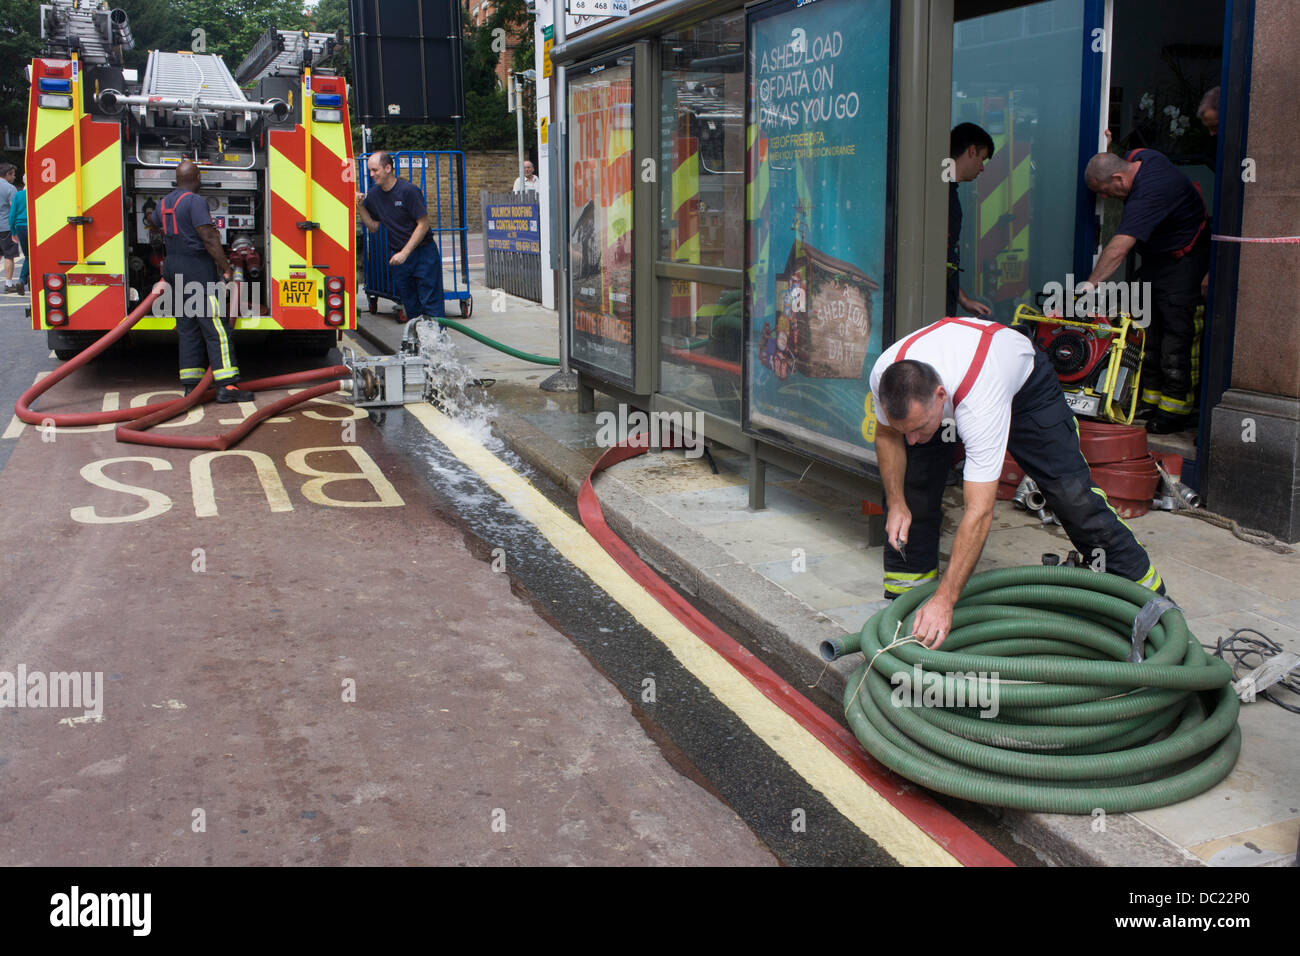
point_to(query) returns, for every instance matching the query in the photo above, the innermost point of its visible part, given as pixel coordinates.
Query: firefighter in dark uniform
(999, 394)
(969, 148)
(194, 263)
(1165, 219)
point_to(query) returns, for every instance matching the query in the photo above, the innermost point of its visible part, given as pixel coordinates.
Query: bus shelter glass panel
(600, 218)
(818, 227)
(702, 368)
(702, 144)
(1017, 74)
(702, 211)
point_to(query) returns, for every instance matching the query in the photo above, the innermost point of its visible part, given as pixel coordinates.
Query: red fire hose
(139, 420)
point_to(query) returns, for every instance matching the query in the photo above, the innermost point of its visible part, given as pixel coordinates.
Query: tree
(228, 30)
(19, 41)
(331, 15)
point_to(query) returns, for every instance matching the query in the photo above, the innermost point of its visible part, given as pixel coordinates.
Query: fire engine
(273, 145)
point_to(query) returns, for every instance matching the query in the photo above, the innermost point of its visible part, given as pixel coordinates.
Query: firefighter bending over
(1006, 398)
(194, 263)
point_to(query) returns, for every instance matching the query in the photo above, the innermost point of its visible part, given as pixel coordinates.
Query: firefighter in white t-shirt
(1000, 395)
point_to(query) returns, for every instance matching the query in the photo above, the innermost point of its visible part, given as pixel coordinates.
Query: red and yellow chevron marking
(756, 201)
(1003, 188)
(54, 181)
(330, 202)
(686, 211)
(616, 196)
(686, 198)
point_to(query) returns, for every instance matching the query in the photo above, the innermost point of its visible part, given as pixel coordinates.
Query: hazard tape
(1272, 240)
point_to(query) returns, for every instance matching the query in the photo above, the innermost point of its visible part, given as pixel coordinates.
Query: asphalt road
(296, 667)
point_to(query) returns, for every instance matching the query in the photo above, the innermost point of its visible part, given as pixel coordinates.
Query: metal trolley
(443, 172)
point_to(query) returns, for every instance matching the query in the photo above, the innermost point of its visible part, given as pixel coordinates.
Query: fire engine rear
(102, 148)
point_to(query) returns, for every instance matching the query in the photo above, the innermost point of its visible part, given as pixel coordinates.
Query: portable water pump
(1098, 361)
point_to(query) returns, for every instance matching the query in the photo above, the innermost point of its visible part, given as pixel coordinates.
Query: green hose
(1069, 724)
(499, 346)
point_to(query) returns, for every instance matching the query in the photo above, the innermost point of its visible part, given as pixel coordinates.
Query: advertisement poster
(514, 227)
(600, 216)
(818, 162)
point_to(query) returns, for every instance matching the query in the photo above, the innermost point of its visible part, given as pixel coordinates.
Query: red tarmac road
(301, 668)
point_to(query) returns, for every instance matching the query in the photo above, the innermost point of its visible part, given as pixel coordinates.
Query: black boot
(1165, 423)
(231, 392)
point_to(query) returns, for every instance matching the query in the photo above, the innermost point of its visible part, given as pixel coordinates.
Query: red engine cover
(1075, 351)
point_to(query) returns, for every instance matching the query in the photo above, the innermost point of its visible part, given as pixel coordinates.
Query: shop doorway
(1046, 80)
(1018, 72)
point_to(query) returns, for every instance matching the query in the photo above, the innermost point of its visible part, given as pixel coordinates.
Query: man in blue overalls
(417, 264)
(193, 264)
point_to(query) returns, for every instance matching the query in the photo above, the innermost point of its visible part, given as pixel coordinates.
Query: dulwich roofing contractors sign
(600, 217)
(514, 227)
(818, 160)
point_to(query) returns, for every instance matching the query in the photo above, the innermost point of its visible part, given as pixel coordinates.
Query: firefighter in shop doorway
(1165, 220)
(194, 261)
(970, 147)
(985, 384)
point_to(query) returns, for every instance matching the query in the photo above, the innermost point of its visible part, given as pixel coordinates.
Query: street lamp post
(519, 117)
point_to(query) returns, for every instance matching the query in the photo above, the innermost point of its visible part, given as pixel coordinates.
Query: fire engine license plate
(1082, 404)
(298, 292)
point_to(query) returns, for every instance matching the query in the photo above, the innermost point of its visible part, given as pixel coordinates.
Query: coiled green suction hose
(1077, 727)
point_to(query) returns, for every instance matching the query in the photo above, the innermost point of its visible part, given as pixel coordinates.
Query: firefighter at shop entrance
(969, 148)
(194, 262)
(986, 385)
(1166, 221)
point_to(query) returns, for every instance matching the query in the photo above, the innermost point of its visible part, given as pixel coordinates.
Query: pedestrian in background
(1208, 111)
(18, 229)
(8, 248)
(529, 180)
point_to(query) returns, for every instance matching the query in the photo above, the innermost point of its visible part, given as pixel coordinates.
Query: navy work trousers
(419, 282)
(203, 337)
(1171, 337)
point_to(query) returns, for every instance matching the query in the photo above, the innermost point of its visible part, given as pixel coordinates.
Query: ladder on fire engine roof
(99, 35)
(285, 53)
(187, 75)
